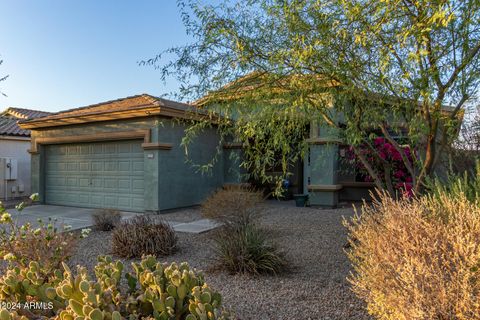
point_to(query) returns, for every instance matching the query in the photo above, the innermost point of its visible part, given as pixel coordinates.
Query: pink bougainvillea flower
(379, 141)
(396, 156)
(399, 174)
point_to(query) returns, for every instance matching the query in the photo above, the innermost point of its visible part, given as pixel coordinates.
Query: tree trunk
(428, 164)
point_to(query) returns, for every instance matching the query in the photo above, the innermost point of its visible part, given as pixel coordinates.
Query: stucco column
(37, 184)
(151, 157)
(321, 166)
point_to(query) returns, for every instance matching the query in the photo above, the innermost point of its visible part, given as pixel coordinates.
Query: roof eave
(145, 111)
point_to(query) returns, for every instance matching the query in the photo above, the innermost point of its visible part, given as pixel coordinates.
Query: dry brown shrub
(234, 206)
(417, 259)
(143, 235)
(47, 248)
(48, 244)
(106, 219)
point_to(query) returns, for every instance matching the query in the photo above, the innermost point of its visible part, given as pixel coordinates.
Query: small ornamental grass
(106, 219)
(419, 258)
(248, 250)
(143, 235)
(241, 246)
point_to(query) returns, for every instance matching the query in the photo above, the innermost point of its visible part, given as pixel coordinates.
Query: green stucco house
(127, 154)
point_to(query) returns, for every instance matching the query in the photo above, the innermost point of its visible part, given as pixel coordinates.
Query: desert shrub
(143, 235)
(248, 250)
(240, 244)
(48, 243)
(152, 291)
(418, 258)
(466, 184)
(234, 206)
(106, 219)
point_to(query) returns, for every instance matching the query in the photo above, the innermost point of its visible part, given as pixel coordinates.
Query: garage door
(96, 175)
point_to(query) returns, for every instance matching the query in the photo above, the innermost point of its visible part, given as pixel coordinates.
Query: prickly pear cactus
(6, 315)
(19, 285)
(109, 275)
(176, 292)
(205, 304)
(87, 299)
(156, 291)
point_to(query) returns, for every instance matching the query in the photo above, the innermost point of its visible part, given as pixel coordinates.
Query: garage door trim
(97, 137)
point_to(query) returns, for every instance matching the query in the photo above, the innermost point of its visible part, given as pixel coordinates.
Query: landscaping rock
(313, 239)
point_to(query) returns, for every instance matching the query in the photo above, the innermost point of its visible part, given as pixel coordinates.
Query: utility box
(11, 169)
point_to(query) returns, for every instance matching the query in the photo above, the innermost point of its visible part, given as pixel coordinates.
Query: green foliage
(155, 291)
(48, 244)
(143, 235)
(467, 185)
(275, 67)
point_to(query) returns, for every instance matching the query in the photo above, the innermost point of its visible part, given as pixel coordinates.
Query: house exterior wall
(180, 181)
(15, 148)
(170, 180)
(355, 193)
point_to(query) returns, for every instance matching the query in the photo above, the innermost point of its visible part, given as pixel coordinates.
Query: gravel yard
(313, 240)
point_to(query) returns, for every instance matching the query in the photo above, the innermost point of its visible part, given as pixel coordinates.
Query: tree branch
(473, 52)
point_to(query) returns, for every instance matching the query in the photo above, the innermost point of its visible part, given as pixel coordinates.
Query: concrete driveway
(78, 218)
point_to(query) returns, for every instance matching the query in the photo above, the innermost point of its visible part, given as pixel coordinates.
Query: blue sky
(61, 54)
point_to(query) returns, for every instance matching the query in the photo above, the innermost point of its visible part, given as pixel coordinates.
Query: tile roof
(22, 113)
(123, 104)
(10, 117)
(9, 127)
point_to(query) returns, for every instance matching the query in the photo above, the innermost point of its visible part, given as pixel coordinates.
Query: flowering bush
(384, 150)
(46, 243)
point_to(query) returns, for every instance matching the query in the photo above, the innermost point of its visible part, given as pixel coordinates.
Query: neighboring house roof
(10, 117)
(9, 127)
(130, 107)
(22, 113)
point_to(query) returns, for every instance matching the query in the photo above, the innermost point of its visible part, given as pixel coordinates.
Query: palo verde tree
(389, 67)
